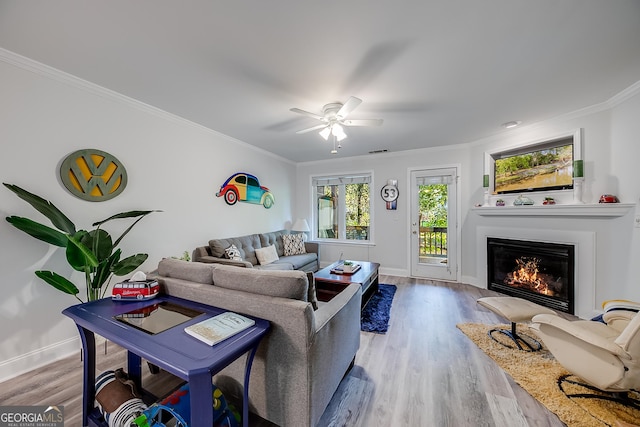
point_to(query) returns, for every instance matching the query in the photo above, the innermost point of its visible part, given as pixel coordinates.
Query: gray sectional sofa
(306, 353)
(247, 245)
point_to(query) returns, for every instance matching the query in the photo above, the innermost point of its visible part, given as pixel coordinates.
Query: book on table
(218, 328)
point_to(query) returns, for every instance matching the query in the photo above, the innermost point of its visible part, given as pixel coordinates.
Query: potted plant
(92, 252)
(347, 266)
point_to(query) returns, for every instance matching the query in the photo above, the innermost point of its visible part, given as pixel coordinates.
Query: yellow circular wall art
(93, 175)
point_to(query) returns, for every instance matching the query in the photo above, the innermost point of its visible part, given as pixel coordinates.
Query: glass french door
(434, 224)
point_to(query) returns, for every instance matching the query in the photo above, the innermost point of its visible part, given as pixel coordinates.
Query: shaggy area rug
(375, 315)
(538, 373)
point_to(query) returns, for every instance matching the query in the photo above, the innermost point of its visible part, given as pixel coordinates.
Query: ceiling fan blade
(348, 107)
(306, 113)
(362, 122)
(311, 129)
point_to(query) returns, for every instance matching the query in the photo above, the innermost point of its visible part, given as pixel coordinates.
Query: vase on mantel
(578, 180)
(577, 191)
(485, 188)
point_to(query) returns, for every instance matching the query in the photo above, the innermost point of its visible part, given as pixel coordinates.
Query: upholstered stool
(515, 310)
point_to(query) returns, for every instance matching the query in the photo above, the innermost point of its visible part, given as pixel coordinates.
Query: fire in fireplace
(537, 271)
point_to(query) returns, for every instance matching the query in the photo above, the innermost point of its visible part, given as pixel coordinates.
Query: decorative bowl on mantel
(522, 201)
(608, 198)
(549, 201)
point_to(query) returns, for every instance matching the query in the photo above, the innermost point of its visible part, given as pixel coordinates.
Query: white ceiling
(437, 72)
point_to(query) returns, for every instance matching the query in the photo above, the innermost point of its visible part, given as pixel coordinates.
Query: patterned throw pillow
(293, 244)
(232, 252)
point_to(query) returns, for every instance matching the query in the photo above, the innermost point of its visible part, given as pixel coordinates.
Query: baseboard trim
(24, 363)
(471, 280)
(400, 272)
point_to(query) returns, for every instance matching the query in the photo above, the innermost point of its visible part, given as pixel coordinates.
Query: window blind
(431, 180)
(341, 179)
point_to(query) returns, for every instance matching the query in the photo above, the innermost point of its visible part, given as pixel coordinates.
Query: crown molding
(49, 72)
(624, 95)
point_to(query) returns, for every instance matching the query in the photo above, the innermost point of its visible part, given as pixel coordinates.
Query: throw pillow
(267, 255)
(293, 244)
(232, 252)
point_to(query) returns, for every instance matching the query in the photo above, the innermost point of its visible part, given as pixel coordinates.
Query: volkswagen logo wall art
(93, 175)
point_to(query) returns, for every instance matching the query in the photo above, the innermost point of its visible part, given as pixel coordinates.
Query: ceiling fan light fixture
(334, 117)
(325, 133)
(338, 132)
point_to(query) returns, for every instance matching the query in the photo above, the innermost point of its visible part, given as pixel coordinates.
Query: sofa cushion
(246, 245)
(281, 264)
(293, 244)
(267, 255)
(273, 238)
(299, 261)
(198, 272)
(275, 283)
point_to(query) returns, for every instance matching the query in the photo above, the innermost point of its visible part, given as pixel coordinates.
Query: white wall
(173, 165)
(625, 162)
(391, 227)
(610, 149)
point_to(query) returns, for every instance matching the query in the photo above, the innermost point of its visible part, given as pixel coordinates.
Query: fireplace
(540, 272)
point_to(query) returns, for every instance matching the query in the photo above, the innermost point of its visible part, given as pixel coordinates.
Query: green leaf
(58, 282)
(57, 218)
(99, 241)
(104, 270)
(130, 214)
(129, 264)
(79, 256)
(39, 231)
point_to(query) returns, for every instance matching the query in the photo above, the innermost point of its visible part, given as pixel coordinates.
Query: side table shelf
(172, 350)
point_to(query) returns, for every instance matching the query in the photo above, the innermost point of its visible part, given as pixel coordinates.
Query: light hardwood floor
(422, 372)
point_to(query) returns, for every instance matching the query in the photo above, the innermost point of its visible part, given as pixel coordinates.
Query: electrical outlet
(637, 221)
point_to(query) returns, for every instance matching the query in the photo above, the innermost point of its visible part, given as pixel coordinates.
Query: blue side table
(172, 350)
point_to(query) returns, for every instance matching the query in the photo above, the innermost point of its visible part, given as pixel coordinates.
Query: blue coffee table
(172, 350)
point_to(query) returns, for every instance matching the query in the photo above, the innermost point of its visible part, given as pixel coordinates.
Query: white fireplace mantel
(600, 210)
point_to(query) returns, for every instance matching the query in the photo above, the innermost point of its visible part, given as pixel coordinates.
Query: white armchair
(605, 356)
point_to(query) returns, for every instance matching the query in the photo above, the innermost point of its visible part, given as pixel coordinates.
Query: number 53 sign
(389, 194)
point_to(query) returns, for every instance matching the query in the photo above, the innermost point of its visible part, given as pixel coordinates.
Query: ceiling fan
(334, 117)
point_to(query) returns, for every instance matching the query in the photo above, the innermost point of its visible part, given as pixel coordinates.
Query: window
(343, 207)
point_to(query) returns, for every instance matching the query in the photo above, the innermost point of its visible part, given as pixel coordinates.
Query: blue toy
(177, 406)
(121, 406)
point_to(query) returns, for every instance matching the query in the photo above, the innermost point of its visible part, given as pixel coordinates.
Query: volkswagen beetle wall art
(245, 187)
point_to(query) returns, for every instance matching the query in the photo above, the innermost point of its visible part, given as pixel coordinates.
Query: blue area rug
(375, 316)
